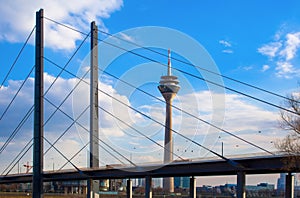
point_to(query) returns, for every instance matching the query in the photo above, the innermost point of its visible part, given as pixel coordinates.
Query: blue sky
(245, 26)
(231, 31)
(253, 41)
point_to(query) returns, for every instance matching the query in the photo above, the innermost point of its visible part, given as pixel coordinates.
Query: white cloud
(77, 14)
(270, 49)
(242, 118)
(265, 68)
(246, 68)
(291, 46)
(242, 115)
(225, 43)
(227, 51)
(282, 52)
(284, 69)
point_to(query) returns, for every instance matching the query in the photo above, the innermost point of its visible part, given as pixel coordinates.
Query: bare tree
(291, 122)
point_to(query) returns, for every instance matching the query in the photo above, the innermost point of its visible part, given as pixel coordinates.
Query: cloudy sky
(254, 42)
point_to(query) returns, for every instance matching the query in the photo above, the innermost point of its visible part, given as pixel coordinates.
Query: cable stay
(58, 108)
(211, 82)
(84, 112)
(206, 122)
(75, 121)
(80, 79)
(200, 78)
(26, 116)
(192, 75)
(150, 118)
(80, 171)
(199, 67)
(32, 107)
(239, 92)
(67, 129)
(163, 125)
(85, 147)
(65, 99)
(85, 129)
(20, 156)
(29, 112)
(17, 129)
(17, 58)
(66, 26)
(184, 111)
(17, 93)
(74, 156)
(27, 147)
(139, 132)
(141, 113)
(67, 63)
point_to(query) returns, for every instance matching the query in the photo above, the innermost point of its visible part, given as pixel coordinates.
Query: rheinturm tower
(168, 87)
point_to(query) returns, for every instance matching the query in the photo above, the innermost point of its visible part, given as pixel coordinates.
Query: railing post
(38, 146)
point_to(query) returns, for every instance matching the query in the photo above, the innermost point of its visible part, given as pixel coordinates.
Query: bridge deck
(213, 167)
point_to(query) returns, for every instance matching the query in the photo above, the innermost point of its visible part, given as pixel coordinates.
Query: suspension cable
(73, 156)
(81, 79)
(184, 111)
(85, 129)
(17, 93)
(17, 129)
(80, 171)
(199, 67)
(139, 132)
(25, 152)
(155, 61)
(18, 56)
(66, 26)
(58, 107)
(67, 63)
(65, 99)
(67, 129)
(206, 122)
(222, 157)
(31, 110)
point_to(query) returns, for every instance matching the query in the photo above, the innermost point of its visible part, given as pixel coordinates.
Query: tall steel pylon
(93, 185)
(38, 145)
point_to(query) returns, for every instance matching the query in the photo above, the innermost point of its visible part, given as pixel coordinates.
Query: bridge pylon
(93, 186)
(38, 131)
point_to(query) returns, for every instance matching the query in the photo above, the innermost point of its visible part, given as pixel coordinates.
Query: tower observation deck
(168, 87)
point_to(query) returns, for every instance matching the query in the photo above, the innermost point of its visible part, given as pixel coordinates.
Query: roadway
(205, 167)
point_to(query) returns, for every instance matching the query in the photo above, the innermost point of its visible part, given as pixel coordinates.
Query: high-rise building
(168, 88)
(281, 181)
(182, 182)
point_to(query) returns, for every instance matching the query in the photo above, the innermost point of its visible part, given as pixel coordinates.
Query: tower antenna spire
(169, 63)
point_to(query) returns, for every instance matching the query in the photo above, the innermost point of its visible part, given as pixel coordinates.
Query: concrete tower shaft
(168, 88)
